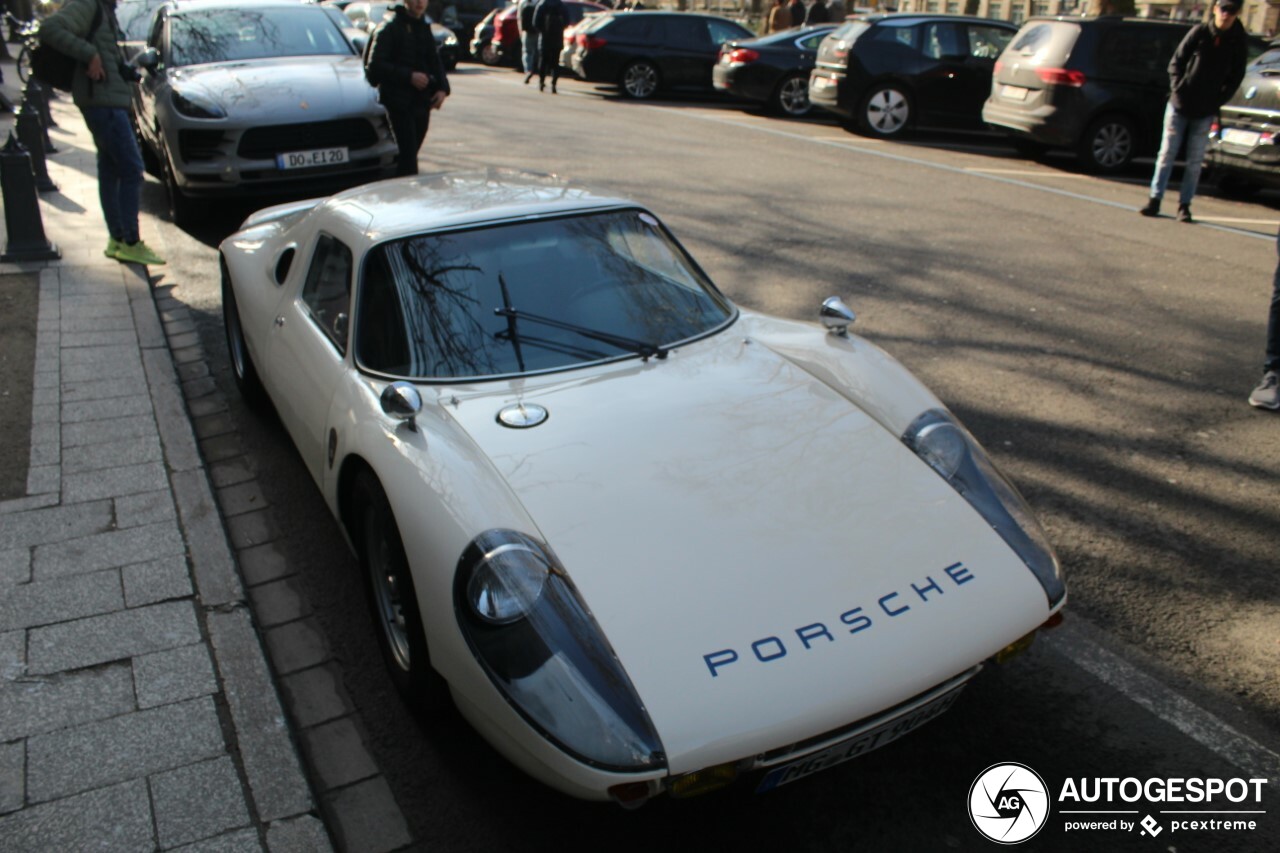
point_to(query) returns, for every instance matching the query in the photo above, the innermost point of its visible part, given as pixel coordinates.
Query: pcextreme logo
(1010, 802)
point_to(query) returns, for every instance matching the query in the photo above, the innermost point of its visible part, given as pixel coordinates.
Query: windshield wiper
(641, 348)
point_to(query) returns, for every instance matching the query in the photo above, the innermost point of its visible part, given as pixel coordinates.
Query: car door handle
(280, 321)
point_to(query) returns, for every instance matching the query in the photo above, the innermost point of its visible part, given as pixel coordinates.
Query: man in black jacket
(401, 60)
(1203, 74)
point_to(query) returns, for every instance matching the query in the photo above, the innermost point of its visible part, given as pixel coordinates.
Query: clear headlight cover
(542, 648)
(193, 106)
(948, 448)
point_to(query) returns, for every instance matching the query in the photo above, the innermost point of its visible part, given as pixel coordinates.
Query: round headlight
(943, 447)
(507, 584)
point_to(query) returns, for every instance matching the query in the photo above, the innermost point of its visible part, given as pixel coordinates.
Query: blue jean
(529, 51)
(1176, 128)
(119, 169)
(1273, 320)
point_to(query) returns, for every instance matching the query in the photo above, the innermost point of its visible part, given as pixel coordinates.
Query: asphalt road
(1104, 359)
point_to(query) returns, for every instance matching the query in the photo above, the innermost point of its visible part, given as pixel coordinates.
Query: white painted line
(1072, 642)
(1044, 173)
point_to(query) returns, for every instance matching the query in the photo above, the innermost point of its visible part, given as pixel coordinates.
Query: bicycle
(26, 30)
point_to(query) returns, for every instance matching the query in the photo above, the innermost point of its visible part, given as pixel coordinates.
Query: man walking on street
(401, 60)
(1204, 72)
(1267, 394)
(86, 30)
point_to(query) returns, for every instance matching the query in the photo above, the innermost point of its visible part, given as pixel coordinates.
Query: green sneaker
(113, 246)
(138, 253)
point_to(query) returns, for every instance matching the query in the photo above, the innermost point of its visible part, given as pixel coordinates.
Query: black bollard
(22, 219)
(32, 100)
(45, 115)
(31, 135)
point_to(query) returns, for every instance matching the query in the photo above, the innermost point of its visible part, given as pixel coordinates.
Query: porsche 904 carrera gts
(648, 542)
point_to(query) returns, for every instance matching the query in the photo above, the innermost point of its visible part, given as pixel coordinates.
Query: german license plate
(859, 744)
(1236, 136)
(312, 158)
(1014, 93)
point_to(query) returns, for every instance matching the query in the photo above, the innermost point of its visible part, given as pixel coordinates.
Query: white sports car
(648, 541)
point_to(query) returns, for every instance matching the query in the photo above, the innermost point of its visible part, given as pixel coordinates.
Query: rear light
(999, 65)
(741, 56)
(1214, 129)
(1061, 77)
(587, 42)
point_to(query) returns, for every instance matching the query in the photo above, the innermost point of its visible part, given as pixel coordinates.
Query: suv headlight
(542, 648)
(948, 448)
(196, 107)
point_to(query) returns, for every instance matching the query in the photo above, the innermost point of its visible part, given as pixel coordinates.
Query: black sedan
(772, 70)
(889, 73)
(644, 52)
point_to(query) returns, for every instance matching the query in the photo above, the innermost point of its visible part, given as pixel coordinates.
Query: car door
(685, 41)
(308, 347)
(1133, 65)
(939, 79)
(982, 45)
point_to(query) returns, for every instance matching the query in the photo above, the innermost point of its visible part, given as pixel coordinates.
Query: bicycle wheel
(24, 63)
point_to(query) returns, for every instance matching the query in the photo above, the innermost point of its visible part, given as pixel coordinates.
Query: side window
(812, 42)
(722, 32)
(1134, 50)
(686, 32)
(327, 291)
(943, 40)
(905, 36)
(987, 42)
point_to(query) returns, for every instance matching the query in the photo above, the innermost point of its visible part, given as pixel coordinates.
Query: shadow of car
(772, 70)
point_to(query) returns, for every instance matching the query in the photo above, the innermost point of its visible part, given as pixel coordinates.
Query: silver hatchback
(258, 98)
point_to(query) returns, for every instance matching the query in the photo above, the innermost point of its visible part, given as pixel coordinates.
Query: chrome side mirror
(836, 316)
(402, 401)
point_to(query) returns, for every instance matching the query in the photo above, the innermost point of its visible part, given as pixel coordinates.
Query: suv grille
(198, 145)
(264, 143)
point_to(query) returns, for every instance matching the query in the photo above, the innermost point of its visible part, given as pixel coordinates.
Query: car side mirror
(836, 316)
(402, 401)
(148, 58)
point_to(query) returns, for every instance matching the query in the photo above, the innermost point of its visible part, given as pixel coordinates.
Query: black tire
(640, 80)
(886, 112)
(150, 162)
(489, 55)
(182, 210)
(1108, 145)
(393, 601)
(24, 64)
(791, 98)
(242, 368)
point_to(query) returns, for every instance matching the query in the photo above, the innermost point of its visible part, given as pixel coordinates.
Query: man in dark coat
(817, 14)
(401, 60)
(1203, 74)
(550, 20)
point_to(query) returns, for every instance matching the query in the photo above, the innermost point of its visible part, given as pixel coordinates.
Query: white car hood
(284, 91)
(724, 503)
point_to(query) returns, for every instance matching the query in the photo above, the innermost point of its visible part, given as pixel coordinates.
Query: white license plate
(310, 159)
(1235, 136)
(1014, 93)
(859, 744)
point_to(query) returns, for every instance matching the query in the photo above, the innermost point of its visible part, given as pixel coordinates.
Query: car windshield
(134, 18)
(530, 297)
(233, 35)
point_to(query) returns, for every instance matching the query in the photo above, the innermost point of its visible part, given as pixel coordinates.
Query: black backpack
(54, 68)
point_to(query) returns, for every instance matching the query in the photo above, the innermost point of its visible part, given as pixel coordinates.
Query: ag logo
(1008, 803)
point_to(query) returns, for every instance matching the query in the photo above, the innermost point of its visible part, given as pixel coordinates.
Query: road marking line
(1029, 172)
(1072, 643)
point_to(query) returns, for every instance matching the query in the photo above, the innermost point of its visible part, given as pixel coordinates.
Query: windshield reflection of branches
(239, 34)
(446, 337)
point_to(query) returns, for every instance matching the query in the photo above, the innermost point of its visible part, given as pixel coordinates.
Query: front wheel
(1108, 145)
(792, 96)
(24, 64)
(640, 80)
(242, 367)
(181, 209)
(489, 55)
(886, 111)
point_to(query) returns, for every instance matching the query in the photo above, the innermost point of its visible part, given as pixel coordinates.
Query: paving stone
(184, 339)
(212, 564)
(112, 454)
(208, 405)
(15, 567)
(47, 414)
(32, 705)
(107, 550)
(130, 746)
(240, 841)
(103, 410)
(13, 771)
(44, 479)
(109, 337)
(60, 600)
(103, 389)
(162, 678)
(186, 355)
(45, 397)
(277, 602)
(157, 580)
(266, 748)
(338, 754)
(231, 471)
(144, 508)
(112, 482)
(179, 325)
(13, 655)
(316, 695)
(54, 524)
(304, 834)
(297, 645)
(222, 447)
(180, 450)
(95, 370)
(116, 818)
(251, 528)
(118, 354)
(241, 498)
(99, 432)
(195, 389)
(198, 801)
(365, 817)
(45, 451)
(262, 563)
(193, 370)
(214, 425)
(97, 639)
(29, 503)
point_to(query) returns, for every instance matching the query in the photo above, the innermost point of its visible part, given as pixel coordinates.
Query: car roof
(402, 207)
(913, 17)
(205, 5)
(664, 13)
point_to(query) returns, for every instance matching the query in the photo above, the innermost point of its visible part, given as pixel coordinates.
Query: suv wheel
(1107, 146)
(640, 80)
(886, 111)
(791, 98)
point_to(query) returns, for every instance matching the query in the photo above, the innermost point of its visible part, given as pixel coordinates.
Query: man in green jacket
(101, 91)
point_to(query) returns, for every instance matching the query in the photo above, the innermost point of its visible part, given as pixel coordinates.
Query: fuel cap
(522, 415)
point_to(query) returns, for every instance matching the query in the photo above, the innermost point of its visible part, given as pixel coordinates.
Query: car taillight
(1214, 129)
(587, 42)
(741, 56)
(1061, 77)
(999, 65)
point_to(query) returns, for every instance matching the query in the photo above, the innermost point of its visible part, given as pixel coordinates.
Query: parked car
(545, 433)
(771, 70)
(887, 74)
(482, 47)
(506, 33)
(1244, 146)
(269, 97)
(646, 52)
(367, 15)
(134, 18)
